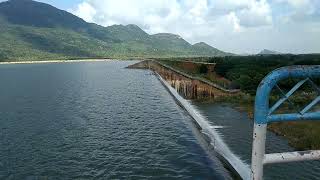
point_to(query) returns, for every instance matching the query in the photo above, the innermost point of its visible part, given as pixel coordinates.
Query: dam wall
(189, 87)
(216, 141)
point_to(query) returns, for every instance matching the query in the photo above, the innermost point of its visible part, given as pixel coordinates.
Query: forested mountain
(30, 30)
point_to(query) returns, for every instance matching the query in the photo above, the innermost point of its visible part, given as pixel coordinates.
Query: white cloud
(176, 15)
(109, 12)
(87, 11)
(257, 14)
(297, 3)
(301, 10)
(236, 26)
(234, 20)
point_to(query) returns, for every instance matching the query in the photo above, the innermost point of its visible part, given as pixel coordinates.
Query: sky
(238, 26)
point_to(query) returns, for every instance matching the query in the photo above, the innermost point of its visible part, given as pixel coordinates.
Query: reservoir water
(95, 121)
(102, 121)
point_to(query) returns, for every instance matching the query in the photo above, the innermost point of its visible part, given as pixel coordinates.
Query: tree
(203, 69)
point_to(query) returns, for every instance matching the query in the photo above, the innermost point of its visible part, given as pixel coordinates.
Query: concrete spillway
(216, 141)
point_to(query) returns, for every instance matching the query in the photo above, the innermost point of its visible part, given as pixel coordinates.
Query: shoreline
(56, 61)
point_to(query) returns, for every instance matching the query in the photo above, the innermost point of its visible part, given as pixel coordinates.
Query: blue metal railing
(264, 114)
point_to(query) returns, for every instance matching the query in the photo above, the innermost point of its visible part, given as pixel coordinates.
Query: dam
(187, 86)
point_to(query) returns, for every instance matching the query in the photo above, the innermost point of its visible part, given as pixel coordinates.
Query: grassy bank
(300, 135)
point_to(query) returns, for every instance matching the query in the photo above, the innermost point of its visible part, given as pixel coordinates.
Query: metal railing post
(258, 151)
(263, 115)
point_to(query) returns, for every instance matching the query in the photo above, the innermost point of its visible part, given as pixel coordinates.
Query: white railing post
(258, 151)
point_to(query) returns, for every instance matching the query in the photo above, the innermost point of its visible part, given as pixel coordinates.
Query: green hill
(31, 30)
(202, 48)
(268, 52)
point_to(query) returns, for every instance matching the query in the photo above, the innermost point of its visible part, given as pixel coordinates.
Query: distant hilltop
(268, 52)
(32, 30)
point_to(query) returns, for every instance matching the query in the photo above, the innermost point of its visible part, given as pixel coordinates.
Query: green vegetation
(199, 71)
(32, 30)
(248, 71)
(301, 135)
(203, 69)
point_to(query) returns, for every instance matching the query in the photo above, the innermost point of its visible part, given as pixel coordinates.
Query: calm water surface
(96, 121)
